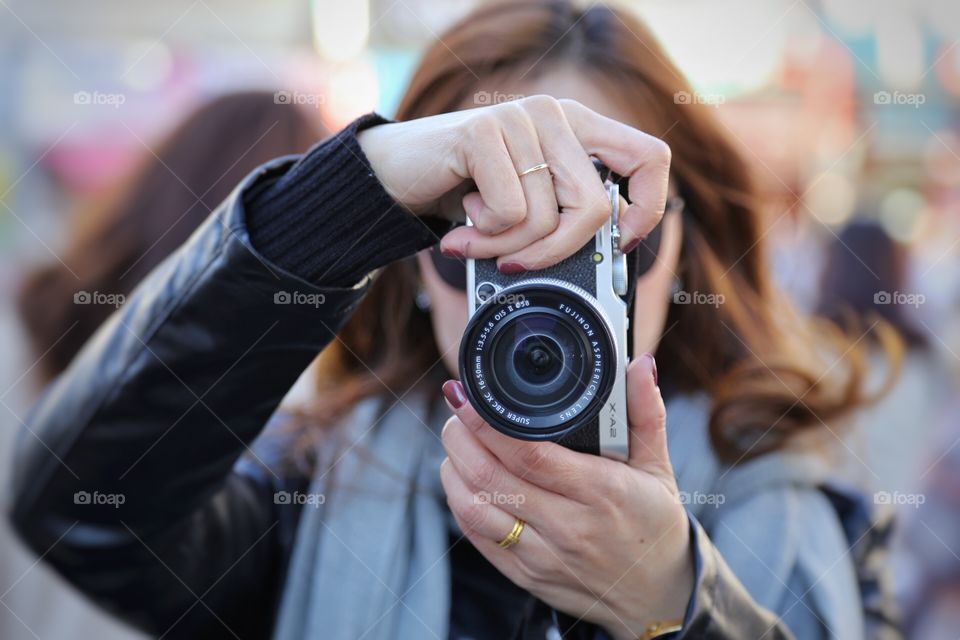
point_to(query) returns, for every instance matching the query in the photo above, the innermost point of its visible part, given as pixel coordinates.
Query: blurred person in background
(865, 280)
(111, 250)
(161, 406)
(927, 554)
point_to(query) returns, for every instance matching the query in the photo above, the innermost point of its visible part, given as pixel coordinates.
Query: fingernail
(451, 252)
(653, 368)
(453, 392)
(631, 245)
(511, 268)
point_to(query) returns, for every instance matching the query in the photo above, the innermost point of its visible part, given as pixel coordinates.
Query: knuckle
(484, 124)
(542, 104)
(484, 474)
(662, 150)
(534, 457)
(599, 209)
(546, 224)
(574, 537)
(570, 106)
(613, 488)
(473, 514)
(513, 210)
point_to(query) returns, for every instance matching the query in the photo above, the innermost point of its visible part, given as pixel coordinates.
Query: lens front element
(537, 360)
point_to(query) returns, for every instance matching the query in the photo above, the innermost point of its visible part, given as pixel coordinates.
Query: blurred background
(849, 110)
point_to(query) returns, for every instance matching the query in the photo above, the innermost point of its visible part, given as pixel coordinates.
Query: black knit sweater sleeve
(328, 219)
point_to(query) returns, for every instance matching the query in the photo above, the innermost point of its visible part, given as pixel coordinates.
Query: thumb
(647, 417)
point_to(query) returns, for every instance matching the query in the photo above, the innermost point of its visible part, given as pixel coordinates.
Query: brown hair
(175, 189)
(756, 360)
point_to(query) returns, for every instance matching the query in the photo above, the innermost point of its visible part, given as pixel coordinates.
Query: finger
(545, 464)
(628, 152)
(542, 215)
(489, 164)
(579, 191)
(570, 236)
(647, 417)
(475, 515)
(486, 476)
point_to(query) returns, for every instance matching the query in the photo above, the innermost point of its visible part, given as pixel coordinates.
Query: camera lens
(537, 361)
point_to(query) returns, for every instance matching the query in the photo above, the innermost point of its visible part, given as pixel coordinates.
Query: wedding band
(514, 536)
(536, 167)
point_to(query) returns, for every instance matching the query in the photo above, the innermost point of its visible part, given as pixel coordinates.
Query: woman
(347, 519)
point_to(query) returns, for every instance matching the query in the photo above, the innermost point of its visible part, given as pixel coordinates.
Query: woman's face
(448, 305)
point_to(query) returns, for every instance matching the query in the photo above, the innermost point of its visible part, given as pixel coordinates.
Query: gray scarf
(371, 561)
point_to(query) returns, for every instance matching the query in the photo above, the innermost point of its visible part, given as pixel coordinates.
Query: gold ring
(534, 168)
(514, 536)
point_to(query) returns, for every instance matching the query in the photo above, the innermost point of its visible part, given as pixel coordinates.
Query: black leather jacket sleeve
(123, 473)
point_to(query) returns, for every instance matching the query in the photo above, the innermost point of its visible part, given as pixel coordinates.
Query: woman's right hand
(516, 218)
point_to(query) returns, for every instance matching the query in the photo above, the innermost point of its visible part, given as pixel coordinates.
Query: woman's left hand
(604, 541)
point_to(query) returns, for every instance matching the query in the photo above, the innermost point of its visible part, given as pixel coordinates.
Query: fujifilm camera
(544, 355)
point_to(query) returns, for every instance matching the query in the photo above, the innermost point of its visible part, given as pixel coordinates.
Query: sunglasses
(453, 271)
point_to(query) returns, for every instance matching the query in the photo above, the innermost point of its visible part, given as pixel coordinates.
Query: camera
(544, 354)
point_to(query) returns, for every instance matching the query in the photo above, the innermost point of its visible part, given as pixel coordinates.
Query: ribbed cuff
(329, 220)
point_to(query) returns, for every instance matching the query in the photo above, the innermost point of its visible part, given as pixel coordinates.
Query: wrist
(665, 609)
(373, 142)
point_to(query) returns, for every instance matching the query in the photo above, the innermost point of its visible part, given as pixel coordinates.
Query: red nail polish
(453, 392)
(653, 367)
(631, 245)
(450, 252)
(511, 268)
